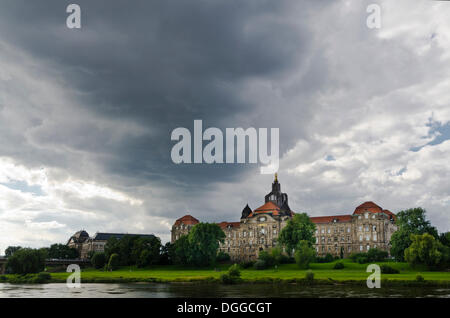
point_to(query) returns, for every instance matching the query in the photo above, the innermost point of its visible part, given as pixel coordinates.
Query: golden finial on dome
(276, 177)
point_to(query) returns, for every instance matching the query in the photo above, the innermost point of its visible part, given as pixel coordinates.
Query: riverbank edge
(33, 279)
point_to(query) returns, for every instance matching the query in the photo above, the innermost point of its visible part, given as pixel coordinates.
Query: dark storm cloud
(162, 64)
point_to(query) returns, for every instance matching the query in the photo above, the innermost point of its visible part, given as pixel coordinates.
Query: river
(189, 290)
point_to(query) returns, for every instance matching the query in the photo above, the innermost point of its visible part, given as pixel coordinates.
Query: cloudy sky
(86, 115)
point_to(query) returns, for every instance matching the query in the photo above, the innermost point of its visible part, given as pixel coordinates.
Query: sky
(86, 114)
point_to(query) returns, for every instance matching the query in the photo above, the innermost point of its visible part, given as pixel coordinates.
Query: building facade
(370, 226)
(86, 245)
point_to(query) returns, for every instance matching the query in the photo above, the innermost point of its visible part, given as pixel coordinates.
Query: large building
(85, 244)
(370, 226)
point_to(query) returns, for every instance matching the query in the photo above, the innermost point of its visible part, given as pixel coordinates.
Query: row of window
(338, 248)
(243, 242)
(262, 231)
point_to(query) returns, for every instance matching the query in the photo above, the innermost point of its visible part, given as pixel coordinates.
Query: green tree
(62, 251)
(411, 221)
(146, 251)
(10, 250)
(444, 238)
(424, 250)
(299, 228)
(27, 260)
(98, 260)
(180, 251)
(204, 239)
(166, 255)
(304, 254)
(114, 262)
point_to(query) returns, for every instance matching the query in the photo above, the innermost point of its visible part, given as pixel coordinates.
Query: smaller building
(85, 244)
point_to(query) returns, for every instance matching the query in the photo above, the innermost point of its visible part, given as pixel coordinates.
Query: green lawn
(352, 271)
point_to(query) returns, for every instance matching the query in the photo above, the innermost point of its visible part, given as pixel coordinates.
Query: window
(373, 216)
(349, 249)
(374, 228)
(329, 230)
(360, 238)
(368, 237)
(368, 247)
(322, 231)
(263, 231)
(375, 237)
(367, 228)
(366, 215)
(274, 231)
(348, 230)
(360, 247)
(360, 228)
(359, 217)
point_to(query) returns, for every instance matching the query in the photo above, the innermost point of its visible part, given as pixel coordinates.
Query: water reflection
(188, 290)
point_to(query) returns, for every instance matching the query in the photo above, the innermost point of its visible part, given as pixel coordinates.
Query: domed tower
(277, 197)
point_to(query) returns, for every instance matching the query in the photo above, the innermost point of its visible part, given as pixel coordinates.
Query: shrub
(260, 264)
(386, 269)
(98, 260)
(362, 260)
(234, 271)
(245, 265)
(41, 278)
(420, 278)
(376, 255)
(304, 254)
(339, 265)
(233, 275)
(268, 259)
(309, 276)
(327, 259)
(114, 262)
(222, 257)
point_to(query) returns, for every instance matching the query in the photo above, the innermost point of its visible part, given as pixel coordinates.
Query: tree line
(416, 241)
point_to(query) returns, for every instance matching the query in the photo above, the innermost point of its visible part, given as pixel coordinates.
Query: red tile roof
(329, 219)
(390, 213)
(268, 207)
(368, 206)
(224, 225)
(187, 219)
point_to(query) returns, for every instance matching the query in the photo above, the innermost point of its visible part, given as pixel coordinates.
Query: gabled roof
(224, 225)
(329, 219)
(368, 206)
(106, 236)
(187, 219)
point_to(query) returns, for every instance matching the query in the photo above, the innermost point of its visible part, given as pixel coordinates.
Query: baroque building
(370, 226)
(86, 245)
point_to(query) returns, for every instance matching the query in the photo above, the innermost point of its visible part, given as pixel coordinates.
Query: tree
(62, 251)
(304, 254)
(180, 251)
(166, 255)
(299, 228)
(26, 261)
(411, 221)
(424, 250)
(114, 262)
(146, 251)
(444, 238)
(98, 260)
(204, 239)
(11, 250)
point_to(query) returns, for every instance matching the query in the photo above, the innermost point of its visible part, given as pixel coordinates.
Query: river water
(189, 290)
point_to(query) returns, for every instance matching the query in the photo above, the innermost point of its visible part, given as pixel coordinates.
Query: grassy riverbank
(353, 273)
